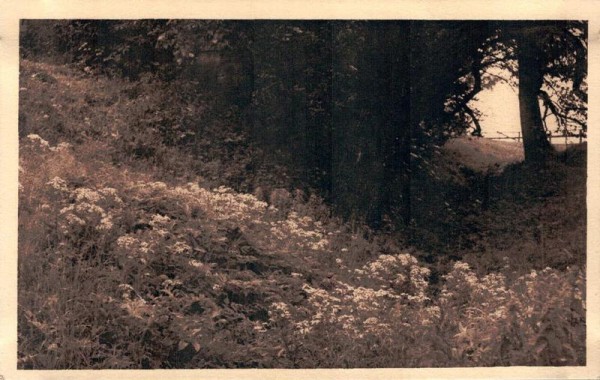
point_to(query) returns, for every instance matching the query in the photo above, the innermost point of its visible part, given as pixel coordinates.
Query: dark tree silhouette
(550, 61)
(354, 108)
(530, 62)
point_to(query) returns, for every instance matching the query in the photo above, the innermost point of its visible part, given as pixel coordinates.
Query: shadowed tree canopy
(354, 107)
(549, 54)
(548, 63)
(362, 100)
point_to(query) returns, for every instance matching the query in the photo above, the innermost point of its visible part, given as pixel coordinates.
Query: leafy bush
(182, 276)
(135, 251)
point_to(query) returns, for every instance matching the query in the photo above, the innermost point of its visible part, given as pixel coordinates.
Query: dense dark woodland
(339, 230)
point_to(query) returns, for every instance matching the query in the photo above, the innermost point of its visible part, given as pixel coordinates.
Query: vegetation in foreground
(133, 255)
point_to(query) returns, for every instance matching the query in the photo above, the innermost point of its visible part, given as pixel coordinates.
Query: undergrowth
(137, 253)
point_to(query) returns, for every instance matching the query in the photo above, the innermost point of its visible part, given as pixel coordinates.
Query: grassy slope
(481, 154)
(534, 216)
(138, 258)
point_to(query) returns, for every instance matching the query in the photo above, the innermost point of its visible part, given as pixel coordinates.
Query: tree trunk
(535, 142)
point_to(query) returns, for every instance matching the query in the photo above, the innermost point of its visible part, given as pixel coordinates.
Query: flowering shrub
(504, 324)
(124, 267)
(401, 272)
(216, 260)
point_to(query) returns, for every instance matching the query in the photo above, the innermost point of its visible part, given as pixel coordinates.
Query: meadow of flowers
(126, 266)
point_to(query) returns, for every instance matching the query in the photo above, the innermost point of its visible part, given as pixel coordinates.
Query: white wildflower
(181, 247)
(85, 194)
(38, 140)
(126, 242)
(126, 291)
(59, 184)
(371, 321)
(105, 223)
(63, 146)
(144, 247)
(461, 266)
(222, 190)
(279, 310)
(158, 220)
(110, 192)
(156, 186)
(73, 219)
(303, 327)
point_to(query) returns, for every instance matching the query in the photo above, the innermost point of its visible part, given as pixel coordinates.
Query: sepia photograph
(297, 194)
(295, 190)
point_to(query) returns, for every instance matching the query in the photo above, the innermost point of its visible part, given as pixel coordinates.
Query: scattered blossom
(58, 184)
(127, 242)
(159, 220)
(279, 310)
(180, 247)
(38, 141)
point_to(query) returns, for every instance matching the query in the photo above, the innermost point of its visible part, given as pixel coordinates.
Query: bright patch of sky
(499, 106)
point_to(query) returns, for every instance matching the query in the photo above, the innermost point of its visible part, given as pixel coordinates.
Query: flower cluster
(349, 307)
(37, 143)
(400, 271)
(491, 311)
(299, 232)
(134, 247)
(87, 210)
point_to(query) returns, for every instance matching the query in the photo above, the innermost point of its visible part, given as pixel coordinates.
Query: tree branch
(475, 120)
(546, 109)
(560, 116)
(507, 81)
(477, 87)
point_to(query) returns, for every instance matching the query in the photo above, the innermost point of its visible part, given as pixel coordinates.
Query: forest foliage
(277, 194)
(366, 102)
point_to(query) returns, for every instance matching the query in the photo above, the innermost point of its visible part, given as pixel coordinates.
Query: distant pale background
(500, 108)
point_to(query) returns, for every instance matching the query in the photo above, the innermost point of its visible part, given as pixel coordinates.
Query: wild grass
(134, 253)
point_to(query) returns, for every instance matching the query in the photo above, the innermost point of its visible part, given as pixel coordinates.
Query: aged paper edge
(13, 10)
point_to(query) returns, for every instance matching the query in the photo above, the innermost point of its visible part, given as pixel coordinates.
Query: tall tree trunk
(318, 108)
(535, 142)
(393, 130)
